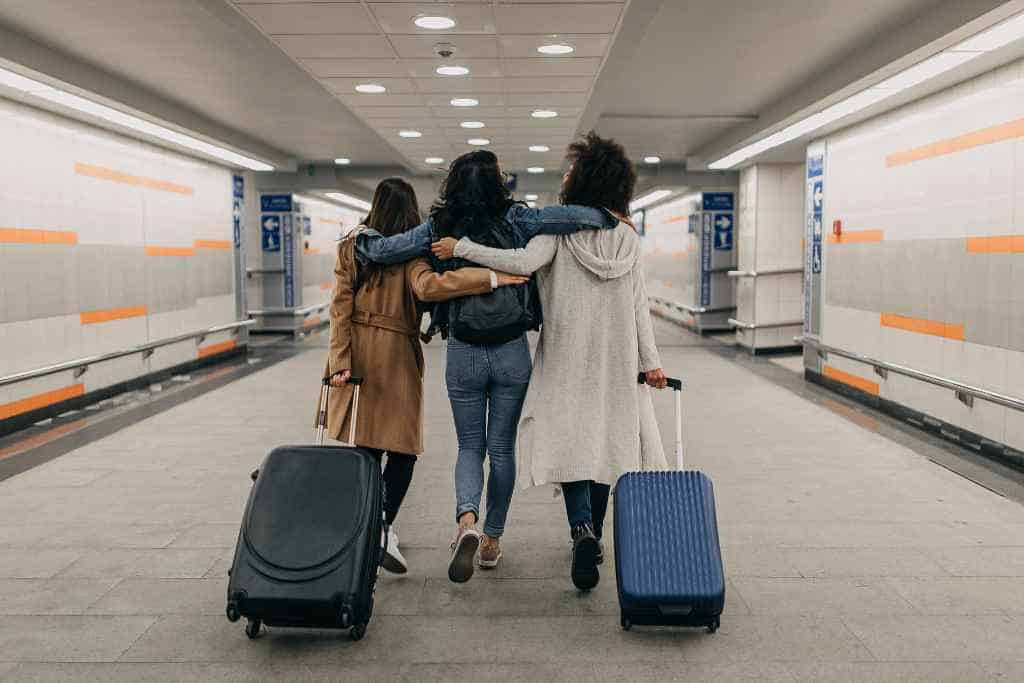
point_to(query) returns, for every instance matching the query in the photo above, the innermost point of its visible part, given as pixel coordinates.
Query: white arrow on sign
(723, 222)
(818, 195)
(270, 224)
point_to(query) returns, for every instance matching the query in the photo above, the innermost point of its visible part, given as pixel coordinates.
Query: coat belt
(383, 322)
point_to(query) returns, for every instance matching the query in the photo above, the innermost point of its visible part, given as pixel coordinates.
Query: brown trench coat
(375, 334)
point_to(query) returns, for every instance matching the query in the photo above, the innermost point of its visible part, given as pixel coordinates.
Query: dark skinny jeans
(586, 502)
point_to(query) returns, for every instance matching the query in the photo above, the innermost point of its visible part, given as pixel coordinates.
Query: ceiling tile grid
(345, 45)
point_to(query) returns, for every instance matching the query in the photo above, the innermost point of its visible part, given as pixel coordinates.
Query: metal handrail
(764, 326)
(964, 392)
(260, 271)
(304, 311)
(694, 310)
(759, 273)
(80, 365)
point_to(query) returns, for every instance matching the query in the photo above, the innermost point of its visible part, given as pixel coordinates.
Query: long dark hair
(472, 195)
(394, 210)
(601, 176)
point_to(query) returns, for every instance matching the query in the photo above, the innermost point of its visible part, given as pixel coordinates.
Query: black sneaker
(585, 551)
(600, 551)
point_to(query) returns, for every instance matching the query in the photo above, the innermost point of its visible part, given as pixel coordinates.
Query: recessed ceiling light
(433, 161)
(436, 23)
(479, 142)
(409, 134)
(555, 49)
(464, 102)
(652, 160)
(450, 70)
(472, 124)
(371, 88)
(543, 114)
(531, 197)
(343, 161)
(535, 169)
(539, 148)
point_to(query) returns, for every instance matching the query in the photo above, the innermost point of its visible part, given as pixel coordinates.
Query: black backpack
(501, 315)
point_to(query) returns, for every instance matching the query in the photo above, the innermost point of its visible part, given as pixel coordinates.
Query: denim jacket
(526, 224)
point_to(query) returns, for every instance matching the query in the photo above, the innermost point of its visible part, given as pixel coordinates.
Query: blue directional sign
(276, 202)
(816, 257)
(815, 167)
(718, 201)
(723, 232)
(238, 186)
(271, 233)
(707, 230)
(816, 227)
(289, 262)
(817, 196)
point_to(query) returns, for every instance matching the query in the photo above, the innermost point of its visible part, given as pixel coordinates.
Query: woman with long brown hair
(375, 325)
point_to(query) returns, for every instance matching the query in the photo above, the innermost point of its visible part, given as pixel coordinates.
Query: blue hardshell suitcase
(668, 563)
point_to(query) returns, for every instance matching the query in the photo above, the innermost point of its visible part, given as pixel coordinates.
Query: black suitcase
(310, 543)
(668, 564)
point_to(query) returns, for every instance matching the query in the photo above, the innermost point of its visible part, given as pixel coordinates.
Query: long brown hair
(394, 211)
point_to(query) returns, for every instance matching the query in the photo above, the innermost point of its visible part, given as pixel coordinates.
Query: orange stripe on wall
(213, 244)
(26, 236)
(985, 136)
(852, 380)
(1000, 244)
(40, 401)
(936, 328)
(312, 250)
(677, 219)
(326, 285)
(119, 177)
(93, 317)
(214, 349)
(170, 251)
(857, 237)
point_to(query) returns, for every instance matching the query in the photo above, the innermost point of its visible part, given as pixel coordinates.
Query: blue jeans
(586, 502)
(486, 387)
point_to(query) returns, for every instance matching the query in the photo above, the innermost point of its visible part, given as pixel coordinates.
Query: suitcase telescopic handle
(321, 419)
(676, 385)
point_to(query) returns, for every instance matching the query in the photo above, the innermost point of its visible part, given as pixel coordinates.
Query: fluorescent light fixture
(472, 124)
(451, 71)
(993, 38)
(648, 199)
(120, 118)
(556, 49)
(543, 114)
(464, 102)
(343, 161)
(371, 88)
(409, 134)
(479, 142)
(695, 197)
(434, 23)
(998, 36)
(349, 200)
(433, 161)
(532, 205)
(531, 197)
(539, 148)
(652, 160)
(535, 169)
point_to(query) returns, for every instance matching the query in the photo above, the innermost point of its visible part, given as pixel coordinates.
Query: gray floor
(850, 558)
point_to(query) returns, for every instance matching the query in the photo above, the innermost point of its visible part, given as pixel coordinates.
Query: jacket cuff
(494, 280)
(462, 247)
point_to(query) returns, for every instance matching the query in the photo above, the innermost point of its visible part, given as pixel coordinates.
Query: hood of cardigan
(608, 254)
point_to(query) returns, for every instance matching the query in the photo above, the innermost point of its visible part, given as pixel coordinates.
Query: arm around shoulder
(428, 285)
(537, 253)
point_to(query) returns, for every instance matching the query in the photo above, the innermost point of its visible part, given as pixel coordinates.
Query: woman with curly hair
(586, 421)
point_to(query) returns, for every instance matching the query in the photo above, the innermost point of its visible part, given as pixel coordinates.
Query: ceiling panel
(387, 99)
(398, 17)
(336, 68)
(458, 86)
(395, 86)
(524, 46)
(311, 18)
(586, 66)
(467, 47)
(563, 84)
(559, 18)
(336, 46)
(425, 68)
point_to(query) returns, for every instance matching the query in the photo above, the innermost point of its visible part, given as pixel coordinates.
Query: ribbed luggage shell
(667, 555)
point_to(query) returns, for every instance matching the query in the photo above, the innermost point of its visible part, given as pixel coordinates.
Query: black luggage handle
(354, 380)
(672, 383)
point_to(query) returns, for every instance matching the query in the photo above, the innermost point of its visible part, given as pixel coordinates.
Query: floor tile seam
(153, 622)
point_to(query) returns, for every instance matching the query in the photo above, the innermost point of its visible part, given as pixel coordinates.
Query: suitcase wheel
(357, 632)
(713, 626)
(626, 623)
(252, 628)
(232, 612)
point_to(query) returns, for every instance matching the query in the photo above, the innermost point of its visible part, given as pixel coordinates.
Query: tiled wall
(671, 252)
(105, 243)
(328, 223)
(771, 198)
(928, 270)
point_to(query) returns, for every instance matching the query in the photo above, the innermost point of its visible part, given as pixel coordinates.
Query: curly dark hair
(473, 192)
(601, 174)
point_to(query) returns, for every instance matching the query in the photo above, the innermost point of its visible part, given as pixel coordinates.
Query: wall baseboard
(23, 420)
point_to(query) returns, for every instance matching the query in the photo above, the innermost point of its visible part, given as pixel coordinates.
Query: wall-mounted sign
(276, 202)
(270, 229)
(718, 201)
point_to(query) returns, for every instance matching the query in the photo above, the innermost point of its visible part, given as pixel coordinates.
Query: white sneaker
(393, 561)
(460, 568)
